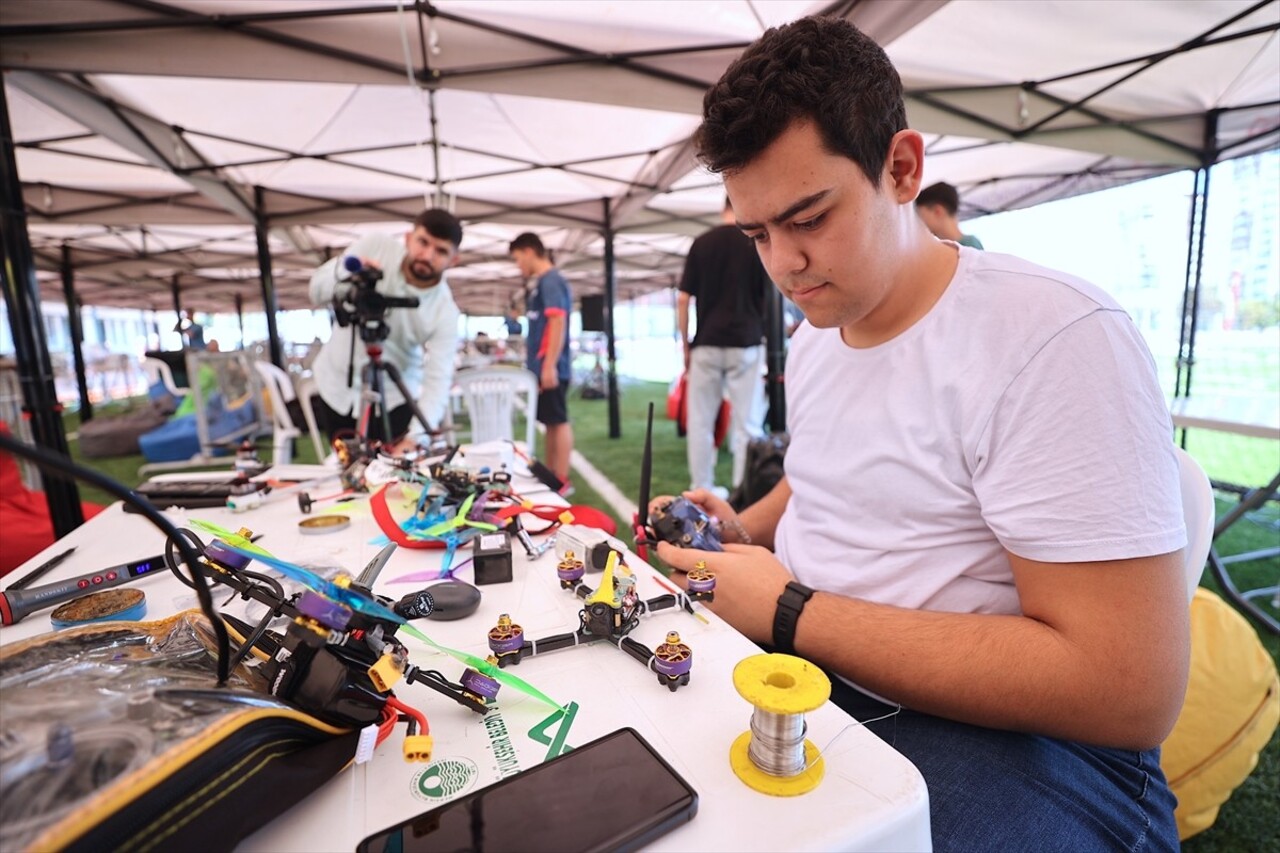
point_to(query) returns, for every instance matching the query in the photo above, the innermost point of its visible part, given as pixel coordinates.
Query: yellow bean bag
(1231, 711)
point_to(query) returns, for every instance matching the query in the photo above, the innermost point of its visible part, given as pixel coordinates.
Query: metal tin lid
(324, 523)
(126, 605)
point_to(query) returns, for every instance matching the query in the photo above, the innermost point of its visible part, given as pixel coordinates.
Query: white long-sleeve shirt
(421, 343)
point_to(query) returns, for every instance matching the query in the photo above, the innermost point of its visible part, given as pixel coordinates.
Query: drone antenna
(646, 468)
(371, 571)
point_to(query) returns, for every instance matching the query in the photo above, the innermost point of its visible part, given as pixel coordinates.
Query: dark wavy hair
(528, 240)
(941, 193)
(440, 224)
(818, 68)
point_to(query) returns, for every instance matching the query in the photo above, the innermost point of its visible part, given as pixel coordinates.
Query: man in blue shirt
(547, 353)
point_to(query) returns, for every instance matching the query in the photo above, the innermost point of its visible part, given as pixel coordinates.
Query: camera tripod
(367, 313)
(374, 401)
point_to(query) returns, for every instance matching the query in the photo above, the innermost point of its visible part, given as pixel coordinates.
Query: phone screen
(610, 794)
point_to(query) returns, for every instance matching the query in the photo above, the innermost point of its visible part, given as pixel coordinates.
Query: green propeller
(229, 536)
(483, 666)
(458, 520)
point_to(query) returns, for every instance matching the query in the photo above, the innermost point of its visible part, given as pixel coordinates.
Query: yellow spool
(781, 684)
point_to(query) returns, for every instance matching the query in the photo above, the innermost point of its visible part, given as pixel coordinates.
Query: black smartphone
(614, 793)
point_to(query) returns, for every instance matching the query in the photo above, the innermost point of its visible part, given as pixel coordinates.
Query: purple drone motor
(224, 556)
(504, 643)
(701, 582)
(570, 573)
(328, 613)
(675, 665)
(479, 684)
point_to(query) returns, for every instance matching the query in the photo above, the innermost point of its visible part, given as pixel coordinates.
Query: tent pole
(175, 289)
(1187, 278)
(240, 317)
(438, 199)
(615, 417)
(1195, 261)
(268, 283)
(35, 370)
(775, 347)
(76, 323)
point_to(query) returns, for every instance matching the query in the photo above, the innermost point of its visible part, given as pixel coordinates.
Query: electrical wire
(387, 722)
(414, 713)
(57, 465)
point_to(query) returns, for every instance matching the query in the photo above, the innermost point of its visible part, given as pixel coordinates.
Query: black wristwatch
(785, 618)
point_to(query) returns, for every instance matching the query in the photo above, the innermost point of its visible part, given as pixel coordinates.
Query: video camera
(363, 305)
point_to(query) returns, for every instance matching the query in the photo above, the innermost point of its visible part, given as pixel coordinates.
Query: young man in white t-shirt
(981, 517)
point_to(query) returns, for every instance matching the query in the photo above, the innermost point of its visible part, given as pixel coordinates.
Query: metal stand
(1243, 600)
(375, 400)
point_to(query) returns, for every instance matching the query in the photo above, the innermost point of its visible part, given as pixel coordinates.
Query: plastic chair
(280, 389)
(492, 395)
(1199, 513)
(307, 390)
(159, 371)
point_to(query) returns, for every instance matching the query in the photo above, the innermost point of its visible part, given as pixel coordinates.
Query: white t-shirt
(422, 341)
(1021, 413)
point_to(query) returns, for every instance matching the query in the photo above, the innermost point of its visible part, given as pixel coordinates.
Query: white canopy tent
(153, 137)
(203, 150)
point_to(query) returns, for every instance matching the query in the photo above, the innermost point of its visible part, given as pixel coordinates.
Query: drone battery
(588, 544)
(491, 558)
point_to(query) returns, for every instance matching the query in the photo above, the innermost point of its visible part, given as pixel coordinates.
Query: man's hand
(549, 379)
(749, 580)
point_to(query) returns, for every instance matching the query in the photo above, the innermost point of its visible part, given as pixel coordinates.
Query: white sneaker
(721, 492)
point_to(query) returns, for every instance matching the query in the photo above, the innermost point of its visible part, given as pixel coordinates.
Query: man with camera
(419, 341)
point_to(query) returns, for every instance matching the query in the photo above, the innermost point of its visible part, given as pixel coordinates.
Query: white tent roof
(151, 133)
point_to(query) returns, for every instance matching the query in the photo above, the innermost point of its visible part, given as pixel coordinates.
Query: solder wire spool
(774, 757)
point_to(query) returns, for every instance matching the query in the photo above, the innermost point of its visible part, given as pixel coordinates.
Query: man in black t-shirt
(724, 279)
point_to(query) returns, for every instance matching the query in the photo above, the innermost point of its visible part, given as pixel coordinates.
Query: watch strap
(787, 615)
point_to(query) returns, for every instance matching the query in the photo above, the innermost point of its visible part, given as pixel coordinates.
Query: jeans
(1006, 791)
(714, 373)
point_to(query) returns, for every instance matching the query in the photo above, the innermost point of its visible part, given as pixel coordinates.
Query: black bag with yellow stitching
(113, 738)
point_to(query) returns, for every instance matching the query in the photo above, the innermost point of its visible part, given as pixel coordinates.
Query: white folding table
(872, 798)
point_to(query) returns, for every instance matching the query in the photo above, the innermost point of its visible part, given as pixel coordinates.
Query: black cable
(272, 612)
(172, 562)
(266, 580)
(54, 463)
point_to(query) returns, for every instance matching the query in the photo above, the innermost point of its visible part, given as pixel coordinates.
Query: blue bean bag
(178, 439)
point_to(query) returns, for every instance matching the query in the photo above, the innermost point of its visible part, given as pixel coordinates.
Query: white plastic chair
(1199, 513)
(158, 370)
(307, 390)
(280, 389)
(492, 395)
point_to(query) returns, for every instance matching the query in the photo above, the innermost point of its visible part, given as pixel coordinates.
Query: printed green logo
(445, 779)
(538, 733)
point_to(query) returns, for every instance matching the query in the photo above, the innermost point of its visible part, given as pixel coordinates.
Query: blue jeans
(1005, 791)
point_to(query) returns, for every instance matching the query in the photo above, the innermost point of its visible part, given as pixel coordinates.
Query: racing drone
(339, 658)
(611, 613)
